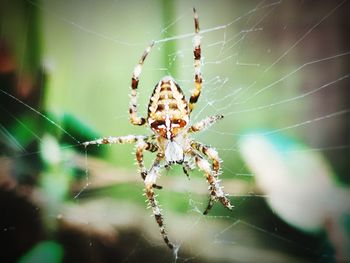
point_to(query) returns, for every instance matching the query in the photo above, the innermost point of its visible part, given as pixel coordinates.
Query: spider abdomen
(168, 109)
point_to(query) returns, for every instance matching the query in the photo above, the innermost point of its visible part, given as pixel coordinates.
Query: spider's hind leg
(216, 191)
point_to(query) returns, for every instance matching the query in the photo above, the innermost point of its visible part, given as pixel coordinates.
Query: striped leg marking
(140, 147)
(216, 192)
(204, 124)
(197, 63)
(150, 180)
(134, 119)
(115, 140)
(211, 153)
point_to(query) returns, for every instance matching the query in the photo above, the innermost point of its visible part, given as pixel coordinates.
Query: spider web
(275, 69)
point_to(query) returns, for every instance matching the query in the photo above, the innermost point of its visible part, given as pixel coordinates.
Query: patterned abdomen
(168, 109)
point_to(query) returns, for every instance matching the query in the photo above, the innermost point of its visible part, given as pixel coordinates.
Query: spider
(169, 119)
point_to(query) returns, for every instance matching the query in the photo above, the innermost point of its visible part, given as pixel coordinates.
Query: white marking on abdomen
(168, 126)
(167, 117)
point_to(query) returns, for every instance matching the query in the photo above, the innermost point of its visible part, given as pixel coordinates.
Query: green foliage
(46, 251)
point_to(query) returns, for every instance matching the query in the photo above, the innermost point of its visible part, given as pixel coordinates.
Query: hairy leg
(216, 192)
(134, 119)
(197, 63)
(204, 124)
(149, 181)
(116, 140)
(141, 146)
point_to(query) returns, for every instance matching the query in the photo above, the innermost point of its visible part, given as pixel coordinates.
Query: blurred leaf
(46, 251)
(299, 182)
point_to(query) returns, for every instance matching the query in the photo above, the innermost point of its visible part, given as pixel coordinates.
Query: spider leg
(134, 119)
(140, 147)
(197, 63)
(204, 124)
(187, 167)
(142, 144)
(149, 181)
(211, 153)
(216, 192)
(116, 140)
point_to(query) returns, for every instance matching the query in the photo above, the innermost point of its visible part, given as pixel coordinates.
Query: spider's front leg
(216, 192)
(134, 119)
(196, 92)
(150, 181)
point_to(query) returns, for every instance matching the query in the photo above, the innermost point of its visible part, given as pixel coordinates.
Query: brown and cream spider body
(169, 119)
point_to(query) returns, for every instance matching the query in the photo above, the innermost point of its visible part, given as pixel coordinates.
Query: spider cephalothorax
(169, 119)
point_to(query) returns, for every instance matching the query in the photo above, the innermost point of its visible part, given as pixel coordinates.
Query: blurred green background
(277, 70)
